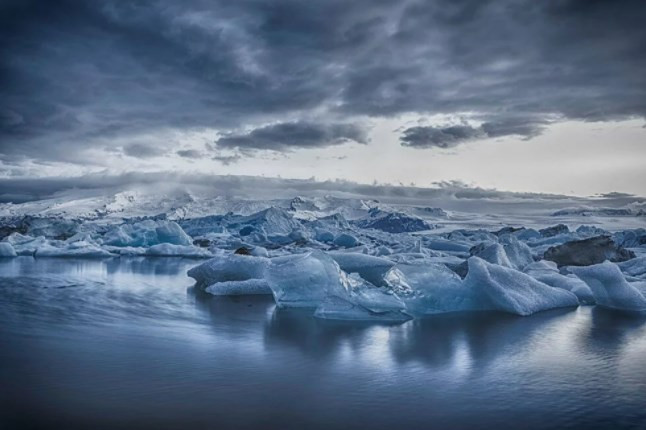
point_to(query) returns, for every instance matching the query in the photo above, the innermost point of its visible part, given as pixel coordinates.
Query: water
(128, 344)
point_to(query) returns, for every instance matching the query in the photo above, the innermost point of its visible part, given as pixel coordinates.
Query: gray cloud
(440, 137)
(142, 150)
(450, 195)
(75, 74)
(189, 153)
(227, 159)
(291, 135)
(451, 136)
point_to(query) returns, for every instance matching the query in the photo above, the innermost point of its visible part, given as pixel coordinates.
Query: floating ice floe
(501, 288)
(80, 249)
(360, 300)
(6, 250)
(304, 280)
(232, 275)
(370, 268)
(429, 288)
(635, 268)
(171, 250)
(610, 288)
(147, 233)
(548, 273)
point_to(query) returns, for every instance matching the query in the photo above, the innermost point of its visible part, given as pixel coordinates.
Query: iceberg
(147, 233)
(448, 245)
(547, 273)
(610, 288)
(230, 273)
(501, 288)
(170, 250)
(323, 235)
(237, 288)
(337, 308)
(393, 222)
(518, 253)
(635, 268)
(360, 300)
(429, 288)
(6, 250)
(80, 249)
(494, 254)
(304, 280)
(370, 268)
(554, 230)
(346, 240)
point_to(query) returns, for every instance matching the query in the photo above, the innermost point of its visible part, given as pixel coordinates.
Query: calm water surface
(127, 343)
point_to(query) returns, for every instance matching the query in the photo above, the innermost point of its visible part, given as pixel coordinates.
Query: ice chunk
(610, 288)
(147, 233)
(635, 268)
(370, 268)
(590, 230)
(346, 240)
(518, 253)
(547, 272)
(337, 308)
(630, 238)
(227, 268)
(448, 245)
(383, 250)
(429, 288)
(81, 249)
(304, 280)
(393, 222)
(259, 251)
(360, 300)
(587, 252)
(237, 288)
(6, 250)
(527, 234)
(323, 235)
(500, 288)
(554, 230)
(494, 254)
(170, 250)
(25, 245)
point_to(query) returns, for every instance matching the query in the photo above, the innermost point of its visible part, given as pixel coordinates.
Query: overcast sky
(518, 95)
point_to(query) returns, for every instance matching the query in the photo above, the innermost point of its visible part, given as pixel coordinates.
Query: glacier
(354, 259)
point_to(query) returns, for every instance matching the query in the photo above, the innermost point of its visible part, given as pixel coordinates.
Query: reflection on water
(123, 343)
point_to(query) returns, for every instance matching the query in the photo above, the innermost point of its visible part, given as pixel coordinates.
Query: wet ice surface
(123, 343)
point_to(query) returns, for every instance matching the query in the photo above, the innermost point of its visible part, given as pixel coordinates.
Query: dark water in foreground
(127, 344)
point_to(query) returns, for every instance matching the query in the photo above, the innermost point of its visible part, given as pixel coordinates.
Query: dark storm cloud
(81, 74)
(450, 136)
(440, 137)
(291, 135)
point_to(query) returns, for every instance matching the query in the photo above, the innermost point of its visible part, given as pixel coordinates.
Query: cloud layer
(79, 75)
(448, 195)
(283, 136)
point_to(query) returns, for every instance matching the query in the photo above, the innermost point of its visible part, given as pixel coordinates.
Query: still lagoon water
(127, 343)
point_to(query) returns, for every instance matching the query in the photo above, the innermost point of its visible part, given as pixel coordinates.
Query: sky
(515, 95)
